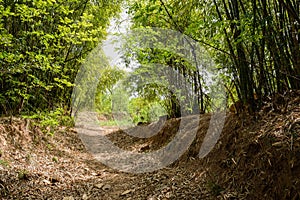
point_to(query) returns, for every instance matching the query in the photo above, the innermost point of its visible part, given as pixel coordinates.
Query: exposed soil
(256, 157)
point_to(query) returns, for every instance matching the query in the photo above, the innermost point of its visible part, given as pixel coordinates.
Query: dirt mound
(159, 134)
(259, 157)
(256, 157)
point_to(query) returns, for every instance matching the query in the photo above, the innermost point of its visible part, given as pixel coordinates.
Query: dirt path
(35, 166)
(97, 141)
(254, 158)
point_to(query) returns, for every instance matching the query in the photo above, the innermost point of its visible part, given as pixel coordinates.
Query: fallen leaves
(35, 166)
(126, 192)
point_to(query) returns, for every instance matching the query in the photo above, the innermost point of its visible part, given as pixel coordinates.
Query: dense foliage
(42, 46)
(255, 44)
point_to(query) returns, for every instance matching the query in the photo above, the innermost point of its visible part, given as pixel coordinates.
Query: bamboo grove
(254, 43)
(42, 44)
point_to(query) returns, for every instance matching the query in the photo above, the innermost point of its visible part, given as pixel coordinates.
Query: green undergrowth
(49, 121)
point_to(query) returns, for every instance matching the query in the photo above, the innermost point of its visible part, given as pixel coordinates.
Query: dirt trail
(39, 166)
(108, 151)
(254, 158)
